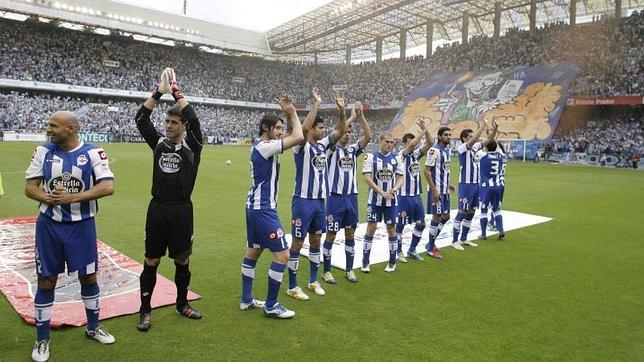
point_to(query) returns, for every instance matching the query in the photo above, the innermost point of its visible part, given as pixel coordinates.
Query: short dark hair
(269, 120)
(175, 111)
(407, 137)
(466, 132)
(317, 120)
(491, 146)
(442, 130)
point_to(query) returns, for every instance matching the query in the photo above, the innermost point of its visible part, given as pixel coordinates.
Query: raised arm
(194, 136)
(476, 136)
(367, 135)
(411, 145)
(295, 136)
(429, 141)
(341, 126)
(491, 136)
(142, 118)
(316, 99)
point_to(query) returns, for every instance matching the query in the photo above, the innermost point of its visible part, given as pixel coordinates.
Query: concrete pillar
(497, 19)
(403, 44)
(430, 39)
(315, 58)
(378, 50)
(573, 12)
(618, 9)
(465, 28)
(533, 15)
(347, 56)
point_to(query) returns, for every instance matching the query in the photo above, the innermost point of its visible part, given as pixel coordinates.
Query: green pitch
(569, 289)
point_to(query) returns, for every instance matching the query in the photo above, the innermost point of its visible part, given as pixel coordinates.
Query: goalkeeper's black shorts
(168, 227)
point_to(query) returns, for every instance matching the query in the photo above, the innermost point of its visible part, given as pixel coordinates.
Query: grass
(569, 289)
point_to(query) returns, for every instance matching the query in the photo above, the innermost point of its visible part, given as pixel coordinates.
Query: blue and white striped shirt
(310, 169)
(342, 163)
(264, 174)
(77, 170)
(438, 159)
(468, 163)
(492, 168)
(383, 169)
(411, 165)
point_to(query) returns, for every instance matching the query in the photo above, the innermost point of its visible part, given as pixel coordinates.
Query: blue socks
(275, 275)
(416, 235)
(90, 294)
(399, 231)
(326, 254)
(498, 221)
(349, 252)
(457, 226)
(393, 248)
(366, 251)
(248, 276)
(293, 265)
(314, 261)
(484, 223)
(433, 232)
(43, 303)
(466, 224)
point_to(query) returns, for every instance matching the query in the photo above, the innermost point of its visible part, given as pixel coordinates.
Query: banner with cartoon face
(526, 102)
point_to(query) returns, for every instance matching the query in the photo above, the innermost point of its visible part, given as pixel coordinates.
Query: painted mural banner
(526, 102)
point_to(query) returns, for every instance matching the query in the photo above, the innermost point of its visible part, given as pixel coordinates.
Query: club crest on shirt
(346, 163)
(319, 161)
(71, 184)
(81, 160)
(170, 162)
(384, 175)
(414, 169)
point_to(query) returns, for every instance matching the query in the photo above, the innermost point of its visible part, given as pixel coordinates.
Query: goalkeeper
(169, 221)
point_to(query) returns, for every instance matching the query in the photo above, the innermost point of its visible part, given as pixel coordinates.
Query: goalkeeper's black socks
(147, 280)
(182, 280)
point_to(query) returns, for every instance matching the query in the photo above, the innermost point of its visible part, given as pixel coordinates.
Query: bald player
(66, 176)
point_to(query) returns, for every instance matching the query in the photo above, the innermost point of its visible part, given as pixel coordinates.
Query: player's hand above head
(286, 103)
(338, 98)
(316, 96)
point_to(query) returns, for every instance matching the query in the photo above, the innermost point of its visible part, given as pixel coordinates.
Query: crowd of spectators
(618, 135)
(25, 112)
(608, 50)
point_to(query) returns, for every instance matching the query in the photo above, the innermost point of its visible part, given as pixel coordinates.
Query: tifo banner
(380, 248)
(526, 102)
(118, 277)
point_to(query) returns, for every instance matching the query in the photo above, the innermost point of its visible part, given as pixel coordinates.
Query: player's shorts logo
(403, 214)
(280, 233)
(329, 218)
(272, 235)
(414, 169)
(71, 184)
(170, 162)
(346, 163)
(81, 160)
(384, 175)
(297, 222)
(368, 208)
(319, 162)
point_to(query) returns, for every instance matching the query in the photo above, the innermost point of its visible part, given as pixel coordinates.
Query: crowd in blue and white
(609, 51)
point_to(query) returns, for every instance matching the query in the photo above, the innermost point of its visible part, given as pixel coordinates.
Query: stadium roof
(331, 29)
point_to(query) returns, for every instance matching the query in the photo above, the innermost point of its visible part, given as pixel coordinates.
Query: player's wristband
(177, 95)
(156, 94)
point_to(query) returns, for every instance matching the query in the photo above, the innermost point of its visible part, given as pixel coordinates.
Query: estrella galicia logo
(346, 163)
(414, 168)
(319, 161)
(170, 162)
(71, 184)
(385, 175)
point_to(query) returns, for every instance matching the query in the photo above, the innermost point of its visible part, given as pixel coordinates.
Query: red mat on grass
(118, 277)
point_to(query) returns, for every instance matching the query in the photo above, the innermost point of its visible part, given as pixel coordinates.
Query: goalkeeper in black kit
(169, 221)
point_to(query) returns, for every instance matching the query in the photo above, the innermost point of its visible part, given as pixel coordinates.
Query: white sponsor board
(29, 137)
(512, 220)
